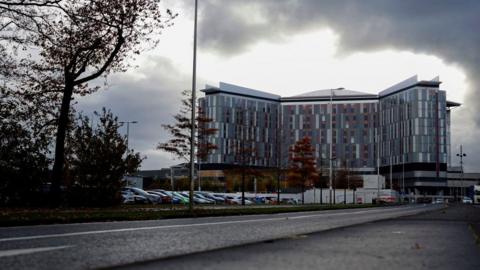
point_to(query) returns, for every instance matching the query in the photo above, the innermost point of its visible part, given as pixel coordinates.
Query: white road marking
(33, 237)
(15, 252)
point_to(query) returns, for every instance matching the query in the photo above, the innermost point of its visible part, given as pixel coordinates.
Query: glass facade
(350, 127)
(413, 127)
(404, 128)
(243, 123)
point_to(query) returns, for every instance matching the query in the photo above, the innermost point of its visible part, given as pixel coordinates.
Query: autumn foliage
(302, 164)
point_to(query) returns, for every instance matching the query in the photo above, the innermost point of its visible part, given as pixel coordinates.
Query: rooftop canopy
(334, 92)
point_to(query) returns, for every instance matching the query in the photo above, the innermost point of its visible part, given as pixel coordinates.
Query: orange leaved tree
(302, 164)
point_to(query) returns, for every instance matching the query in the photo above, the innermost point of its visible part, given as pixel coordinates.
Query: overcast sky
(289, 47)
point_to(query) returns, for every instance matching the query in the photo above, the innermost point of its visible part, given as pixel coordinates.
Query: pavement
(132, 244)
(442, 239)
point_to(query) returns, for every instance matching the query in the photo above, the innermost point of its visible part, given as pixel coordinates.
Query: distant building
(136, 181)
(161, 174)
(403, 132)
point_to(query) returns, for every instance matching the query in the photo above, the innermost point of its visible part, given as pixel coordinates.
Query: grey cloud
(447, 29)
(150, 100)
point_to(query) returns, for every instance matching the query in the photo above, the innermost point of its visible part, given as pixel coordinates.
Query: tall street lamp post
(194, 100)
(377, 144)
(331, 146)
(128, 128)
(461, 155)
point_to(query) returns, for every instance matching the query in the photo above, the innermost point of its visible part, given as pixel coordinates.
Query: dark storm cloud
(446, 29)
(151, 99)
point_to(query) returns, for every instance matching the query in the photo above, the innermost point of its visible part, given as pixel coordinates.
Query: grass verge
(28, 216)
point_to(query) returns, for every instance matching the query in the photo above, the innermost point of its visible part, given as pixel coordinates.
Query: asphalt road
(109, 244)
(442, 239)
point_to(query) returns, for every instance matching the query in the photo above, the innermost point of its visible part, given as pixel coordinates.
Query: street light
(331, 142)
(461, 155)
(128, 128)
(377, 144)
(331, 146)
(192, 119)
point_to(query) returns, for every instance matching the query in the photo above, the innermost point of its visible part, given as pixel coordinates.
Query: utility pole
(194, 100)
(461, 155)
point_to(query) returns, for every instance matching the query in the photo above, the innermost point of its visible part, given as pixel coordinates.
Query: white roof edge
(405, 83)
(208, 86)
(334, 92)
(246, 91)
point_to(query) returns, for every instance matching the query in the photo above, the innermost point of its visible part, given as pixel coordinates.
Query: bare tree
(179, 143)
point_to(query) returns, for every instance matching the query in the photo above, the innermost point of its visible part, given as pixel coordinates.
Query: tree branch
(106, 65)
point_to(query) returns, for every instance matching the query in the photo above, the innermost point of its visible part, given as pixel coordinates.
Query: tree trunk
(243, 185)
(57, 173)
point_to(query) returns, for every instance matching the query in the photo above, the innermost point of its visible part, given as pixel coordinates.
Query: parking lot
(134, 195)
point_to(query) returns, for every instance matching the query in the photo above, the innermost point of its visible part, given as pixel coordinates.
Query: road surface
(110, 244)
(443, 239)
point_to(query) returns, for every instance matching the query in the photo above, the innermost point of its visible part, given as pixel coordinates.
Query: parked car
(237, 200)
(175, 199)
(196, 199)
(271, 200)
(216, 198)
(387, 199)
(165, 198)
(183, 199)
(288, 201)
(258, 200)
(201, 196)
(467, 200)
(131, 198)
(438, 201)
(221, 196)
(152, 198)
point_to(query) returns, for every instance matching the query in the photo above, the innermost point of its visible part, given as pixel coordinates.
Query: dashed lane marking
(24, 251)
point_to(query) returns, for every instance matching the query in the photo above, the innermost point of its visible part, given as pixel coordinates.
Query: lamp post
(377, 137)
(334, 158)
(128, 128)
(331, 142)
(401, 117)
(194, 100)
(461, 155)
(348, 187)
(171, 185)
(403, 175)
(331, 146)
